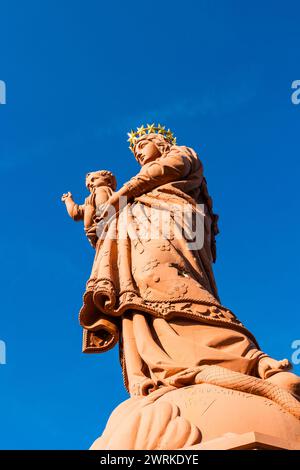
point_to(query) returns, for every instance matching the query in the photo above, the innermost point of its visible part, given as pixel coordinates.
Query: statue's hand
(268, 366)
(66, 196)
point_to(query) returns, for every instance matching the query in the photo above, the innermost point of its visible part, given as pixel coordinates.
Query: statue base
(200, 417)
(247, 441)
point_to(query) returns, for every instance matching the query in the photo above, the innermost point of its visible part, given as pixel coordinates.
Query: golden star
(161, 129)
(131, 136)
(151, 128)
(141, 130)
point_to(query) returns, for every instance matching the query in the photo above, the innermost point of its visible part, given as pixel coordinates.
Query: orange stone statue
(193, 371)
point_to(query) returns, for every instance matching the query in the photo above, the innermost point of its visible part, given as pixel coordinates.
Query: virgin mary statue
(152, 287)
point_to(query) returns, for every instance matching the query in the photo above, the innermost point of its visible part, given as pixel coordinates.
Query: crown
(150, 129)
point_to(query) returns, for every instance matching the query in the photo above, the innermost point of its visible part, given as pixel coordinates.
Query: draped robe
(157, 295)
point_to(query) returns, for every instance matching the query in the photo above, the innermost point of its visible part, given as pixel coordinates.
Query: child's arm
(74, 210)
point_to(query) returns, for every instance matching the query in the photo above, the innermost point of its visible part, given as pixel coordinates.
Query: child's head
(100, 178)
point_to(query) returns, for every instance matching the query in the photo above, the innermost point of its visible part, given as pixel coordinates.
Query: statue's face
(94, 180)
(146, 151)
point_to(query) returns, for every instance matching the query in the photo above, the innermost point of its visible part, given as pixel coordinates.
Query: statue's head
(150, 147)
(151, 142)
(100, 178)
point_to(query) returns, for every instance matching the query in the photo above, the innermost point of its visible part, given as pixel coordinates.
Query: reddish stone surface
(193, 370)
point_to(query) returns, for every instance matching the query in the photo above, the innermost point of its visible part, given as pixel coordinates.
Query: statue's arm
(74, 210)
(176, 165)
(173, 167)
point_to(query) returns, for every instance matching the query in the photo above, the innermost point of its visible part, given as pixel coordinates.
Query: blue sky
(79, 75)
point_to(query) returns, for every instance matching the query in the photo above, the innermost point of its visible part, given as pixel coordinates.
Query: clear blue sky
(79, 75)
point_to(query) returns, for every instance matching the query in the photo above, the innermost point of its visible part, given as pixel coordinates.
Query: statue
(101, 185)
(157, 297)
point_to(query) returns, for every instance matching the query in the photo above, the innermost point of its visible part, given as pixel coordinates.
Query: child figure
(101, 185)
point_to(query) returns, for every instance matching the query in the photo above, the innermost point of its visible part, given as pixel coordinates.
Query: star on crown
(150, 129)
